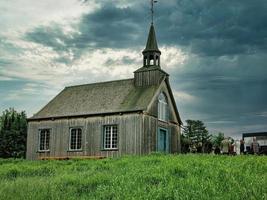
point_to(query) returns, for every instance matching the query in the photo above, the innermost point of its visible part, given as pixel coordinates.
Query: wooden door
(163, 140)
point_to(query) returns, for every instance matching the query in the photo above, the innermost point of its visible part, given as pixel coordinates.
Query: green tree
(185, 144)
(217, 139)
(13, 133)
(198, 135)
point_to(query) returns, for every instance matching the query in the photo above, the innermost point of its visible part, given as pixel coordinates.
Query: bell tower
(151, 72)
(151, 54)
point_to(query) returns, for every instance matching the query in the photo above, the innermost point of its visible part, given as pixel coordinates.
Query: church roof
(152, 44)
(98, 98)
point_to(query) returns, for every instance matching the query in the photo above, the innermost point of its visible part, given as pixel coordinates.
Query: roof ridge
(97, 83)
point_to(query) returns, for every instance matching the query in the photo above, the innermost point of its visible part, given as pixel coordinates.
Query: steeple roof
(152, 44)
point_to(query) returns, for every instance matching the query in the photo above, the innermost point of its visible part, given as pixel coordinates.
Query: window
(44, 137)
(151, 60)
(157, 60)
(110, 137)
(162, 107)
(75, 139)
(145, 61)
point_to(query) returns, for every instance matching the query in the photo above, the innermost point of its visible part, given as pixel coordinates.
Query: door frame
(167, 139)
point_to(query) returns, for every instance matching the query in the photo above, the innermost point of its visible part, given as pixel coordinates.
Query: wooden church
(133, 116)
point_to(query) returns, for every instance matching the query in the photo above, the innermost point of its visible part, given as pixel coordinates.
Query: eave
(85, 115)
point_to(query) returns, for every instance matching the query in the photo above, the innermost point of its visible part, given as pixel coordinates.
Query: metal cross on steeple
(152, 10)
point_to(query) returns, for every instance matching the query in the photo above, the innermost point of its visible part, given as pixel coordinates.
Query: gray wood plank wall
(129, 130)
(149, 77)
(137, 136)
(151, 125)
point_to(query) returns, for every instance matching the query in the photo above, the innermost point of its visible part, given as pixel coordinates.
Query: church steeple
(151, 72)
(151, 54)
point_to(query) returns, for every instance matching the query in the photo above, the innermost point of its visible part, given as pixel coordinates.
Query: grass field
(149, 177)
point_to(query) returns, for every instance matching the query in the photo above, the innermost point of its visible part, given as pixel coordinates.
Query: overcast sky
(214, 50)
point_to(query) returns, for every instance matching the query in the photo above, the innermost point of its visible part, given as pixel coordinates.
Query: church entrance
(163, 140)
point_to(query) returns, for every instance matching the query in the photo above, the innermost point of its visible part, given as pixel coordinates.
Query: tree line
(13, 134)
(197, 139)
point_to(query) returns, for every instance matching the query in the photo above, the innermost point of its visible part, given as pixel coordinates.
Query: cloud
(183, 96)
(262, 114)
(215, 28)
(204, 28)
(108, 26)
(227, 89)
(28, 90)
(22, 15)
(4, 78)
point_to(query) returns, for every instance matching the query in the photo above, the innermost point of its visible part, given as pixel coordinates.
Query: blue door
(163, 140)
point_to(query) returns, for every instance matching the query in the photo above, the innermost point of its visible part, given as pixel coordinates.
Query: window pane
(162, 107)
(79, 139)
(73, 139)
(47, 139)
(110, 137)
(107, 137)
(44, 139)
(162, 98)
(114, 137)
(76, 139)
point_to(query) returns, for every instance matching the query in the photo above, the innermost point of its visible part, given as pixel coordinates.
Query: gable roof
(98, 98)
(172, 99)
(173, 102)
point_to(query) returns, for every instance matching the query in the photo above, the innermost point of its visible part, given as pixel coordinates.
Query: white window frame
(76, 139)
(111, 137)
(162, 107)
(45, 140)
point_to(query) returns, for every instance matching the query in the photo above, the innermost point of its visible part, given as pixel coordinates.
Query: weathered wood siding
(130, 134)
(148, 77)
(175, 141)
(151, 126)
(150, 134)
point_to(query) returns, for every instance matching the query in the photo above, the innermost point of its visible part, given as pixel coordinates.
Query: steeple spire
(152, 44)
(151, 54)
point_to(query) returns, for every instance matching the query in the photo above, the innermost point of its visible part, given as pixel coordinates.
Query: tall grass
(149, 177)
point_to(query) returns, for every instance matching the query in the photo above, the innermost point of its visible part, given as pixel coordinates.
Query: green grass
(148, 177)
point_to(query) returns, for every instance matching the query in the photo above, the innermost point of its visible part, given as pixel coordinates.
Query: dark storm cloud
(49, 36)
(108, 26)
(215, 27)
(229, 90)
(112, 27)
(208, 27)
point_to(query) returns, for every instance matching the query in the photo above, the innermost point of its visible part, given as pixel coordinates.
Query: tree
(185, 144)
(13, 134)
(198, 135)
(217, 139)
